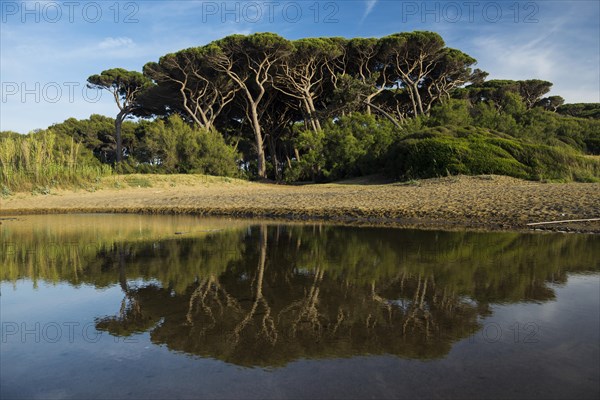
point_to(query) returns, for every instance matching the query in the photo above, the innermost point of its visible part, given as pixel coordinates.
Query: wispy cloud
(119, 42)
(369, 6)
(543, 57)
(526, 60)
(561, 48)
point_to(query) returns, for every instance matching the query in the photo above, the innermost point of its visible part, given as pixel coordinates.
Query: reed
(42, 161)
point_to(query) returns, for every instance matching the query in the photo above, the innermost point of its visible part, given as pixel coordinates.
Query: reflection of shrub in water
(504, 267)
(294, 294)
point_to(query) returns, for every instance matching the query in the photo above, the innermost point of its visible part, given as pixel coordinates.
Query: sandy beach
(483, 202)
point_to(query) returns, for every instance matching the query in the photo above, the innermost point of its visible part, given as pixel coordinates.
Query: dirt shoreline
(479, 203)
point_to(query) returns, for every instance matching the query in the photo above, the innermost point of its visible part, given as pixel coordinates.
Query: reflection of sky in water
(542, 345)
(114, 367)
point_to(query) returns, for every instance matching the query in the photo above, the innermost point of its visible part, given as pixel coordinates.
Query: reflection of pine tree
(209, 295)
(268, 329)
(272, 294)
(130, 318)
(306, 309)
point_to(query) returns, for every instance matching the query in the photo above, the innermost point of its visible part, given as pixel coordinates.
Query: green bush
(581, 110)
(173, 146)
(443, 151)
(350, 146)
(452, 112)
(486, 115)
(552, 129)
(97, 133)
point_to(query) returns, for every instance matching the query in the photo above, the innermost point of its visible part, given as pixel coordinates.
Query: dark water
(112, 306)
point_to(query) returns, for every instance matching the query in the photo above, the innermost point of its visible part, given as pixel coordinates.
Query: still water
(126, 306)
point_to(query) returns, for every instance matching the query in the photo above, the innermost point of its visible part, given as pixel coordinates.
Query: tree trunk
(122, 274)
(368, 101)
(262, 167)
(385, 114)
(370, 98)
(418, 97)
(118, 123)
(274, 159)
(412, 100)
(309, 115)
(313, 114)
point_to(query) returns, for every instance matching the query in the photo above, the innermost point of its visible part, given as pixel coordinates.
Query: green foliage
(97, 134)
(554, 129)
(40, 161)
(313, 159)
(348, 96)
(119, 80)
(347, 147)
(529, 91)
(455, 139)
(172, 146)
(486, 115)
(258, 89)
(451, 112)
(451, 150)
(550, 103)
(580, 110)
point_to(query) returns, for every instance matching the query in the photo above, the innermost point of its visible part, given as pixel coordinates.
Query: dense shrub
(435, 152)
(554, 129)
(173, 146)
(492, 135)
(97, 134)
(487, 115)
(452, 112)
(350, 146)
(580, 110)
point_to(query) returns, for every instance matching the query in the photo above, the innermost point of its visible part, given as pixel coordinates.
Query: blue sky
(49, 48)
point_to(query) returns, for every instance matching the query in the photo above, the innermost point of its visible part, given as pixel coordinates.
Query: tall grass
(41, 161)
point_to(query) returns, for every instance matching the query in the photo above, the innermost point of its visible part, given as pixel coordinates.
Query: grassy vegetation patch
(39, 162)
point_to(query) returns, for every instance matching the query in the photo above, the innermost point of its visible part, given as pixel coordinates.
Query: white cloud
(562, 48)
(370, 4)
(541, 56)
(85, 54)
(112, 43)
(516, 61)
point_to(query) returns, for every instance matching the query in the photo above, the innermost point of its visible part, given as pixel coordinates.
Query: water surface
(126, 306)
